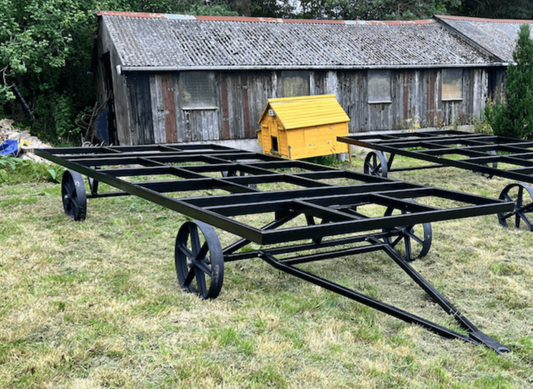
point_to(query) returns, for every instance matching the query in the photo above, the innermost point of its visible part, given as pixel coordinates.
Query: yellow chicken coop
(303, 127)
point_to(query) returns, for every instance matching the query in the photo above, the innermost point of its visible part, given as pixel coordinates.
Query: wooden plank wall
(242, 95)
(104, 45)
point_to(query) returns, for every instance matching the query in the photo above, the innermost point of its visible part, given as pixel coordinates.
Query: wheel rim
(73, 195)
(199, 259)
(521, 195)
(409, 242)
(376, 164)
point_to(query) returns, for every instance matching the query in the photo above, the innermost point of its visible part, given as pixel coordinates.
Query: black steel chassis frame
(482, 153)
(334, 225)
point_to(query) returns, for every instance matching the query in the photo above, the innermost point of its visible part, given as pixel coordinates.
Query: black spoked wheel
(74, 195)
(493, 165)
(409, 242)
(376, 164)
(199, 259)
(522, 196)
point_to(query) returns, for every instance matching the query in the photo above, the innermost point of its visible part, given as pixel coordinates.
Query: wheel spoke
(200, 282)
(413, 246)
(507, 197)
(202, 252)
(527, 222)
(185, 250)
(189, 278)
(415, 238)
(408, 251)
(204, 267)
(396, 241)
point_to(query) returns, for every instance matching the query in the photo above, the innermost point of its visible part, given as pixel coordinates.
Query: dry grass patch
(97, 304)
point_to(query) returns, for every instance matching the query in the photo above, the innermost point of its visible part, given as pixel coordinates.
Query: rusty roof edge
(306, 67)
(467, 39)
(262, 19)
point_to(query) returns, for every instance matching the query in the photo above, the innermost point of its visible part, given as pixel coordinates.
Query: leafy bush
(514, 117)
(18, 171)
(46, 49)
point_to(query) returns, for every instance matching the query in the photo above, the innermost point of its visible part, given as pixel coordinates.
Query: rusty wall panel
(249, 131)
(225, 109)
(405, 97)
(169, 106)
(431, 108)
(158, 112)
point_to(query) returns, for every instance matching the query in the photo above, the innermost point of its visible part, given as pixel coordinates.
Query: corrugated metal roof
(497, 36)
(306, 111)
(182, 42)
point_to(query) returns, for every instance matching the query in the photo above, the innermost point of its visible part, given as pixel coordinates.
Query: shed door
(169, 106)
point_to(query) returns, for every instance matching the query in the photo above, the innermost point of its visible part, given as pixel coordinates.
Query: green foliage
(8, 162)
(483, 126)
(498, 9)
(375, 9)
(18, 171)
(46, 49)
(515, 118)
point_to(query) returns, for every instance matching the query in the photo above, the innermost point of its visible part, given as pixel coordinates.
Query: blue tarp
(9, 148)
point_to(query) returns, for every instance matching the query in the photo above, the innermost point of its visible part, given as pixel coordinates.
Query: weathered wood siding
(154, 105)
(141, 123)
(118, 81)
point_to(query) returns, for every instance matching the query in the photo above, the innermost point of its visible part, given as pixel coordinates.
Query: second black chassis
(317, 219)
(480, 153)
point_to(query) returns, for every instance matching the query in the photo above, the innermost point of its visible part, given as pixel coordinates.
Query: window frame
(209, 76)
(285, 74)
(442, 84)
(372, 75)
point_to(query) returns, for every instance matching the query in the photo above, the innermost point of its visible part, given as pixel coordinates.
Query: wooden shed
(303, 127)
(164, 78)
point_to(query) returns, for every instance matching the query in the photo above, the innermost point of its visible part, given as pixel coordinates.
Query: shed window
(452, 84)
(379, 86)
(197, 90)
(295, 83)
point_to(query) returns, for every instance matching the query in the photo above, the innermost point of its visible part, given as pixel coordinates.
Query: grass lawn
(97, 304)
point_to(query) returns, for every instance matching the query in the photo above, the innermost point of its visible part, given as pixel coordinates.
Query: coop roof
(183, 42)
(497, 36)
(306, 111)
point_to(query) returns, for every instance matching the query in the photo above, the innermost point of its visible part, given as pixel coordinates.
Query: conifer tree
(514, 118)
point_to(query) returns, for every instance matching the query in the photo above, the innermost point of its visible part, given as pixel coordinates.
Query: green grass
(97, 304)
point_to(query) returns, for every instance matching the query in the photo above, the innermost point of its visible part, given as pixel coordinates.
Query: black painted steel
(485, 154)
(73, 195)
(199, 259)
(412, 241)
(522, 196)
(312, 213)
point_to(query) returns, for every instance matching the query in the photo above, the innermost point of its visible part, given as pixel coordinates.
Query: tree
(46, 50)
(498, 9)
(514, 117)
(375, 9)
